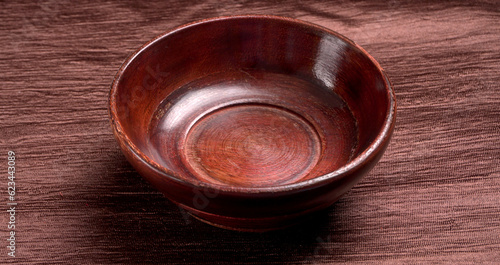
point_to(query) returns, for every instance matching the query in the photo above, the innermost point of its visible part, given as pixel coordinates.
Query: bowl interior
(250, 102)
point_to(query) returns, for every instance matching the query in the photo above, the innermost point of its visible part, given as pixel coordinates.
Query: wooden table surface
(434, 196)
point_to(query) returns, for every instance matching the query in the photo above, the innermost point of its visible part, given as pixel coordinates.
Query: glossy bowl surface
(252, 122)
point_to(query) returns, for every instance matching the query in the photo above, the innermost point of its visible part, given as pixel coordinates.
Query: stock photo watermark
(45, 14)
(11, 203)
(322, 248)
(201, 200)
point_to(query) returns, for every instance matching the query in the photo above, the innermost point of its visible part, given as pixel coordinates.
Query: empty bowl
(252, 122)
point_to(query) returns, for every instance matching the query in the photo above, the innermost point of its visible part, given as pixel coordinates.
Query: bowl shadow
(138, 225)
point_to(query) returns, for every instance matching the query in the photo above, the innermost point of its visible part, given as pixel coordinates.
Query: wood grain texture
(434, 196)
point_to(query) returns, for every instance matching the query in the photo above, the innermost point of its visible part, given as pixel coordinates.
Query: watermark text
(11, 203)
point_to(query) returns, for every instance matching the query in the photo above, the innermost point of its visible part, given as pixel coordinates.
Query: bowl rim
(367, 155)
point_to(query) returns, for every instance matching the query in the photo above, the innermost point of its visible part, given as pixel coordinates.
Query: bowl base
(255, 224)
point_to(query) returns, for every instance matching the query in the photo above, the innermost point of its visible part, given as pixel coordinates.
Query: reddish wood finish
(268, 118)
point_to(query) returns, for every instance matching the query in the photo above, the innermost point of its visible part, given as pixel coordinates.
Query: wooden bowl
(252, 122)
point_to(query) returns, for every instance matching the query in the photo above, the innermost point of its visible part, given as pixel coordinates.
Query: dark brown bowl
(252, 122)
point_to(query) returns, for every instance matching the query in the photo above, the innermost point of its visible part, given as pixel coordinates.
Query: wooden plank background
(434, 196)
